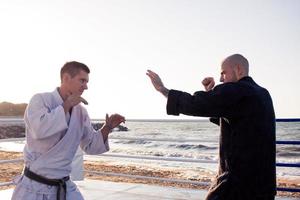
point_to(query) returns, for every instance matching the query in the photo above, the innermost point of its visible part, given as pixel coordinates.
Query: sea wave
(132, 142)
(191, 146)
(207, 151)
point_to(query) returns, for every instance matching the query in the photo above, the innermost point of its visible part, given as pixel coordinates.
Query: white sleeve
(43, 121)
(92, 141)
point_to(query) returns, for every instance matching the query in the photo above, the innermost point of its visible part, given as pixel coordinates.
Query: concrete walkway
(92, 190)
(105, 190)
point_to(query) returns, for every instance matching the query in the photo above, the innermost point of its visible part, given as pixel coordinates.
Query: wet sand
(10, 170)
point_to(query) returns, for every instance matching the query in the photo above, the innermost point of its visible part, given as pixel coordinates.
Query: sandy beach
(12, 169)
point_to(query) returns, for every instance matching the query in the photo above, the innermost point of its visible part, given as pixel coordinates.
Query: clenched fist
(208, 83)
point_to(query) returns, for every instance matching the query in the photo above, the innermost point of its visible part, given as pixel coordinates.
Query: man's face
(228, 73)
(78, 83)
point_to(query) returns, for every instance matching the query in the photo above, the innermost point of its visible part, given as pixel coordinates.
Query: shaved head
(238, 60)
(234, 68)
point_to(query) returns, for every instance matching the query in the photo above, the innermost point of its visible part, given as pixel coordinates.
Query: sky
(182, 40)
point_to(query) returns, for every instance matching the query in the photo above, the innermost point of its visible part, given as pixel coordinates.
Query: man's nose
(85, 86)
(221, 79)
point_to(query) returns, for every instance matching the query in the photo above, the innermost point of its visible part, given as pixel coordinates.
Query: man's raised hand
(72, 100)
(114, 120)
(157, 83)
(208, 83)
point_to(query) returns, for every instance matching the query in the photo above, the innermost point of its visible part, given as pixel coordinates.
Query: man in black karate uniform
(244, 111)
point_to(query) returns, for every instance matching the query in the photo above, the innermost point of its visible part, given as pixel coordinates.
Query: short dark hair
(73, 68)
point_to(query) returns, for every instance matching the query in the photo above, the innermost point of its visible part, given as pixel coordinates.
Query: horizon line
(292, 119)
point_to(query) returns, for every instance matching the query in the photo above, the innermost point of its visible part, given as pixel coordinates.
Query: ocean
(181, 140)
(201, 143)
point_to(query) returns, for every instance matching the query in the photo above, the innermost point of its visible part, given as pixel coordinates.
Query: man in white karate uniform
(77, 166)
(56, 124)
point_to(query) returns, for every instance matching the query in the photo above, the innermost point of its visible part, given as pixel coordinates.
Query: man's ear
(65, 78)
(240, 70)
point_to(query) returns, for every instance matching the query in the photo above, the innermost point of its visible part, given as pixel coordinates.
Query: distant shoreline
(160, 120)
(19, 118)
(6, 118)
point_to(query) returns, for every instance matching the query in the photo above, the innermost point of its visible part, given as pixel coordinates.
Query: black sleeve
(215, 103)
(215, 120)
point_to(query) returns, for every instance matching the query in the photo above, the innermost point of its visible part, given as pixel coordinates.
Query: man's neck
(63, 93)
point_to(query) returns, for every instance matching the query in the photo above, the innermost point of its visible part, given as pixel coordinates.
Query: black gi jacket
(245, 113)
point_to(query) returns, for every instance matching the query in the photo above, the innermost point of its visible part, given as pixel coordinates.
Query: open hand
(114, 120)
(157, 83)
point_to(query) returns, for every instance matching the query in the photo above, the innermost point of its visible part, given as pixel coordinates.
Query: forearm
(105, 130)
(202, 104)
(94, 143)
(41, 122)
(67, 106)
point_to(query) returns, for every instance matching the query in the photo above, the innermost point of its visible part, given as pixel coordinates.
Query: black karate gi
(244, 111)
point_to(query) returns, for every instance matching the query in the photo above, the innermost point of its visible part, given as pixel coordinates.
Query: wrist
(108, 127)
(66, 106)
(165, 92)
(105, 130)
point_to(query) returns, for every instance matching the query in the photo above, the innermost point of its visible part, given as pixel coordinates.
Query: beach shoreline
(10, 170)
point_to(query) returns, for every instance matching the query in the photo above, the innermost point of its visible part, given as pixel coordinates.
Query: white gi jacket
(52, 139)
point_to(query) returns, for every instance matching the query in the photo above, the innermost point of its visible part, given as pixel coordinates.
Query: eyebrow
(84, 79)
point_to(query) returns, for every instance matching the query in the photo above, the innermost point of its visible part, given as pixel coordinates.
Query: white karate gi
(52, 139)
(77, 166)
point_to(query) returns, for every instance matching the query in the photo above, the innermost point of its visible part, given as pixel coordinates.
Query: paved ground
(105, 190)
